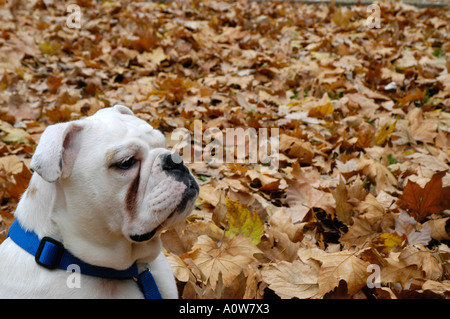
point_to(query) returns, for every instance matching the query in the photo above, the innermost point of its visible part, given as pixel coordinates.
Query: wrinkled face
(137, 186)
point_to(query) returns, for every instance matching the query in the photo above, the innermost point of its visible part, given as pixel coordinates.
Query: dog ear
(123, 109)
(56, 152)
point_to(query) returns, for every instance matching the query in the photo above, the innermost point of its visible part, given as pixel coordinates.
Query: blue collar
(51, 254)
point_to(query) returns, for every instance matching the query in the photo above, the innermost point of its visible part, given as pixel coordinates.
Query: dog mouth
(139, 238)
(144, 237)
(185, 205)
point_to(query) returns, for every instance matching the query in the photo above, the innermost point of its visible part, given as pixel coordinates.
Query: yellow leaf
(386, 241)
(14, 135)
(49, 47)
(321, 111)
(384, 133)
(241, 221)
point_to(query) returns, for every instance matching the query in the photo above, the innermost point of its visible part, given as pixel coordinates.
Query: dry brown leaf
(225, 258)
(375, 171)
(180, 269)
(439, 228)
(422, 257)
(344, 210)
(296, 148)
(292, 280)
(339, 266)
(422, 202)
(16, 175)
(277, 246)
(441, 288)
(359, 233)
(209, 194)
(398, 273)
(301, 197)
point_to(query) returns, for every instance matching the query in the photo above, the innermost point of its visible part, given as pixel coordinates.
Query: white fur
(84, 206)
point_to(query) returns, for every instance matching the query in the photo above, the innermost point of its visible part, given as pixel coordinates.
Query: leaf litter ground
(359, 207)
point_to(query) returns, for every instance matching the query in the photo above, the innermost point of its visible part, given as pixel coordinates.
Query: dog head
(116, 185)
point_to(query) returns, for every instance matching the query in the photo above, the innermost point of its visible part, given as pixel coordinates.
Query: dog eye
(126, 164)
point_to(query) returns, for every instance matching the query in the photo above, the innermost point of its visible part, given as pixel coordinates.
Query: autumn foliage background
(363, 114)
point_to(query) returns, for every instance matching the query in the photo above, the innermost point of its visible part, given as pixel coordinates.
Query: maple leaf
(292, 280)
(343, 265)
(241, 221)
(179, 268)
(225, 258)
(359, 232)
(422, 202)
(423, 258)
(301, 197)
(398, 272)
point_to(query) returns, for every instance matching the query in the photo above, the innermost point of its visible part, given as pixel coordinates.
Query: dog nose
(172, 161)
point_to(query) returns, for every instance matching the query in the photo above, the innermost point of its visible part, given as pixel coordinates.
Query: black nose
(172, 161)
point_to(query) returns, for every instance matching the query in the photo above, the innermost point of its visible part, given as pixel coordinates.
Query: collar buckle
(49, 253)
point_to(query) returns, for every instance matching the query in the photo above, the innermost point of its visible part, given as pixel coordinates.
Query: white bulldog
(104, 187)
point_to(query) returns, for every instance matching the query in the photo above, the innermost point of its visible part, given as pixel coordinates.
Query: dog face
(115, 180)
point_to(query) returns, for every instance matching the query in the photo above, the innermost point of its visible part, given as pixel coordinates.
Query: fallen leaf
(16, 175)
(14, 135)
(422, 202)
(398, 273)
(382, 136)
(441, 288)
(241, 221)
(339, 266)
(342, 17)
(225, 258)
(344, 210)
(321, 111)
(277, 246)
(375, 171)
(359, 233)
(430, 162)
(301, 197)
(407, 225)
(406, 61)
(439, 228)
(296, 148)
(180, 269)
(292, 280)
(209, 194)
(423, 258)
(386, 241)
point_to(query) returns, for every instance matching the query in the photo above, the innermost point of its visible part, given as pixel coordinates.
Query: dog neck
(35, 214)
